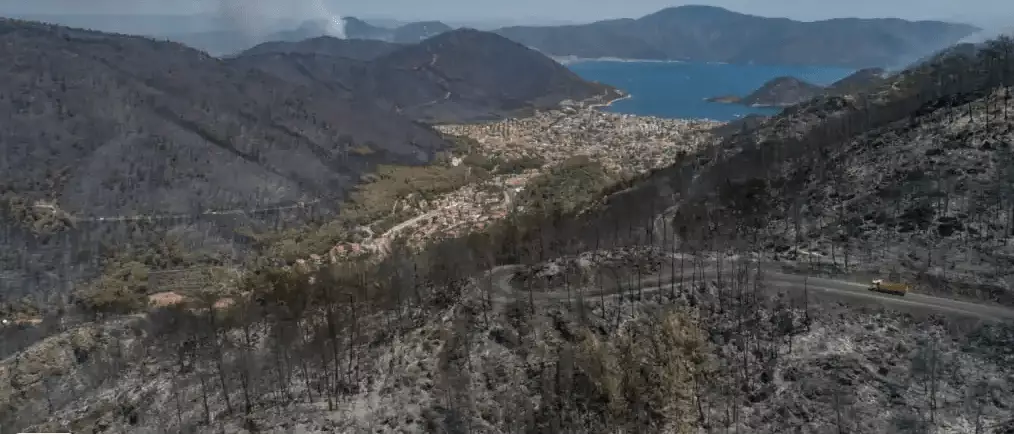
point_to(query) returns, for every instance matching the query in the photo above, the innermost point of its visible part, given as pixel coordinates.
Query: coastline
(610, 102)
(567, 60)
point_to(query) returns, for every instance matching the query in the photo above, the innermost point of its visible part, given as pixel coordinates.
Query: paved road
(153, 217)
(505, 291)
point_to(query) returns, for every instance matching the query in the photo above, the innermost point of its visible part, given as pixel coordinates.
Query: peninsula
(788, 91)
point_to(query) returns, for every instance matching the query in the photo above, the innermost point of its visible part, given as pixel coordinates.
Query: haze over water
(678, 90)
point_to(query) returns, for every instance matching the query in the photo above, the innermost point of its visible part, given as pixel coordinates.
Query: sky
(989, 12)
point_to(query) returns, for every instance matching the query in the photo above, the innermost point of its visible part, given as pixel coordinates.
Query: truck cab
(879, 285)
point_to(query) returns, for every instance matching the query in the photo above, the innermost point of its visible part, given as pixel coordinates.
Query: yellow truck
(879, 285)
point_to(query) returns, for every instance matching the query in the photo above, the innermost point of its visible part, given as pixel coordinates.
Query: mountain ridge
(353, 49)
(675, 33)
(159, 87)
(687, 33)
(457, 76)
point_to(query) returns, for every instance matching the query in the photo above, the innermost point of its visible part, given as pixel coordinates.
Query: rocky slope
(458, 76)
(927, 197)
(923, 194)
(688, 33)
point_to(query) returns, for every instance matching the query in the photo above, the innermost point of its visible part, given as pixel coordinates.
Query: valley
(502, 162)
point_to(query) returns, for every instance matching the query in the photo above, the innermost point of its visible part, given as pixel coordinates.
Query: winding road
(504, 291)
(157, 217)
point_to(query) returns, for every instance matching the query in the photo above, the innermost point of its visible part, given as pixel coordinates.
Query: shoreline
(628, 96)
(568, 60)
(610, 102)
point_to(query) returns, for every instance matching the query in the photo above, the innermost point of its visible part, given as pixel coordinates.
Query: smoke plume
(255, 18)
(987, 34)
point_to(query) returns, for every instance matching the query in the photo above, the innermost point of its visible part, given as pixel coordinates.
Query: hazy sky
(979, 11)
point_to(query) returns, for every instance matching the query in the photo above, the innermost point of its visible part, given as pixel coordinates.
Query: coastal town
(626, 145)
(622, 142)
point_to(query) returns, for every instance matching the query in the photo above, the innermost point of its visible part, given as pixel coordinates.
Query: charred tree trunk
(217, 347)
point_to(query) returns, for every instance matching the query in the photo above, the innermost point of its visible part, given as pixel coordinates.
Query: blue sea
(678, 89)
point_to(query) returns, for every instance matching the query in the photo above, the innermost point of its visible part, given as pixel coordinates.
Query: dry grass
(376, 199)
(378, 203)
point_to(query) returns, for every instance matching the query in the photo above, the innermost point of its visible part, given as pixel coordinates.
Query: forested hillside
(356, 49)
(107, 125)
(230, 42)
(789, 91)
(114, 143)
(457, 76)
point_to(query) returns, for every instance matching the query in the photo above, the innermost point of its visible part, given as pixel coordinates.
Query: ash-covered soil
(681, 361)
(927, 197)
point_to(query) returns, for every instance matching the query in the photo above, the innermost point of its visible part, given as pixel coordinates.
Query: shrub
(648, 367)
(374, 200)
(519, 165)
(576, 182)
(480, 161)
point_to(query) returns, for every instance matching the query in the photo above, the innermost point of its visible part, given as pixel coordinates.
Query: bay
(679, 89)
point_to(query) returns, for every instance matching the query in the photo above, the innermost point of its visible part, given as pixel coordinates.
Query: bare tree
(207, 301)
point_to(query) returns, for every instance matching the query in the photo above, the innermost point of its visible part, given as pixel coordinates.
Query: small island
(788, 91)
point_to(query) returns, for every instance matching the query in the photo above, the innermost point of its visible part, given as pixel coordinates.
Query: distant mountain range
(227, 42)
(712, 34)
(787, 91)
(688, 33)
(352, 49)
(404, 34)
(460, 75)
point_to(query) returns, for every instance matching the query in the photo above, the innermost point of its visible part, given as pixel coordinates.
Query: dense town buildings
(626, 145)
